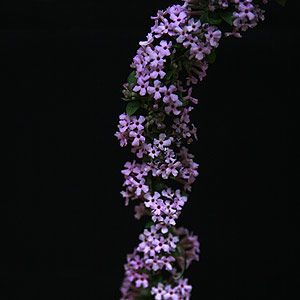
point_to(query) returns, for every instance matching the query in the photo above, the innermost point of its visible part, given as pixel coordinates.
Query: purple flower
(162, 141)
(188, 97)
(162, 171)
(137, 123)
(157, 71)
(153, 151)
(246, 11)
(157, 90)
(178, 19)
(140, 171)
(140, 211)
(171, 293)
(213, 36)
(129, 167)
(223, 3)
(177, 125)
(137, 138)
(199, 50)
(172, 168)
(158, 291)
(148, 41)
(190, 39)
(151, 199)
(182, 34)
(169, 94)
(140, 186)
(122, 138)
(193, 26)
(142, 281)
(124, 122)
(154, 263)
(183, 287)
(172, 240)
(161, 245)
(168, 209)
(156, 58)
(185, 115)
(166, 260)
(164, 48)
(158, 207)
(162, 28)
(162, 226)
(168, 193)
(140, 150)
(141, 87)
(173, 107)
(150, 250)
(136, 262)
(151, 235)
(170, 219)
(127, 197)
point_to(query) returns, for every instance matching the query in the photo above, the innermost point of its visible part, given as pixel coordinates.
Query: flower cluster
(130, 129)
(179, 292)
(247, 16)
(176, 54)
(154, 254)
(244, 14)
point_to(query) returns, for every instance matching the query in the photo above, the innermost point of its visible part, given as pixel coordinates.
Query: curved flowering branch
(157, 126)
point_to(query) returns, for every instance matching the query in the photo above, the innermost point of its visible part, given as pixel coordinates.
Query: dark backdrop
(64, 64)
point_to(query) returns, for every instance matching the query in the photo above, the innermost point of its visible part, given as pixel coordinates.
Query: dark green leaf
(211, 58)
(176, 252)
(149, 224)
(125, 99)
(281, 2)
(158, 186)
(184, 263)
(204, 18)
(214, 18)
(184, 102)
(132, 107)
(169, 75)
(226, 15)
(132, 78)
(183, 193)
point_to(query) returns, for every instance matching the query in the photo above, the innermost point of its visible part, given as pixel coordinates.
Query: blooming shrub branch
(157, 127)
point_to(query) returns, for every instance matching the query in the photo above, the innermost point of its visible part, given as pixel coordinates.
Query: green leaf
(169, 75)
(149, 224)
(204, 18)
(281, 2)
(184, 264)
(132, 78)
(184, 102)
(132, 107)
(226, 15)
(183, 193)
(158, 186)
(211, 58)
(214, 18)
(176, 252)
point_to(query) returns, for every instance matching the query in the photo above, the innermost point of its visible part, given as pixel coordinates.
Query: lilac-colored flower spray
(157, 126)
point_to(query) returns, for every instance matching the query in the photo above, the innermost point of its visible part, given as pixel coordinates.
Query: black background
(64, 64)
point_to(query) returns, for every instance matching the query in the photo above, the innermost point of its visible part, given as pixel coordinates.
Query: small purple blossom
(141, 87)
(162, 142)
(170, 96)
(137, 138)
(157, 90)
(213, 36)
